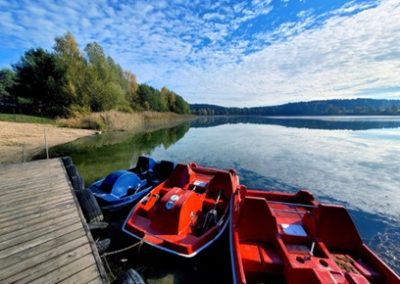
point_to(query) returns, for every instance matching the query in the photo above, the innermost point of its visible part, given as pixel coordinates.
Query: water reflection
(314, 122)
(96, 156)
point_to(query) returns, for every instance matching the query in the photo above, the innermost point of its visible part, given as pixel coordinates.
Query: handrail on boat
(292, 204)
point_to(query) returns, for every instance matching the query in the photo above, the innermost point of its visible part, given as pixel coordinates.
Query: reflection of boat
(187, 212)
(123, 187)
(291, 238)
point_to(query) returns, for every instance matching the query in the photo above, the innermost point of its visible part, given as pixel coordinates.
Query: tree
(164, 94)
(182, 107)
(149, 97)
(68, 82)
(67, 50)
(106, 96)
(7, 81)
(41, 77)
(131, 90)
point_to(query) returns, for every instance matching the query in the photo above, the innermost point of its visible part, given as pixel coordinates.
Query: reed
(121, 121)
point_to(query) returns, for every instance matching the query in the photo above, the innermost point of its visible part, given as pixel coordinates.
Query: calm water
(353, 161)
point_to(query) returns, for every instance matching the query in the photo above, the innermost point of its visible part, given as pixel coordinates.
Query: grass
(25, 118)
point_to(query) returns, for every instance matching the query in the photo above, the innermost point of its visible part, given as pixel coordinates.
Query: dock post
(45, 143)
(23, 153)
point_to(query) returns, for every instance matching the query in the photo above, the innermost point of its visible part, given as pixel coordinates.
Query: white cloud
(338, 59)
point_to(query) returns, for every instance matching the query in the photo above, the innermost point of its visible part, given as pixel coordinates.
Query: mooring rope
(123, 249)
(108, 267)
(104, 256)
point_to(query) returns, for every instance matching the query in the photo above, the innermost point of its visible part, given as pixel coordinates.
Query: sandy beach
(19, 141)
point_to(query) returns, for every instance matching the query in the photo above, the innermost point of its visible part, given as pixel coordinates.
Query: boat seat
(163, 170)
(270, 258)
(257, 233)
(221, 181)
(180, 177)
(260, 257)
(251, 257)
(143, 164)
(255, 221)
(334, 221)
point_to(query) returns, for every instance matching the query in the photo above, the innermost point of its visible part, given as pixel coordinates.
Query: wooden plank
(88, 275)
(26, 173)
(11, 217)
(35, 202)
(42, 270)
(37, 241)
(66, 271)
(36, 218)
(37, 233)
(13, 179)
(38, 226)
(30, 184)
(5, 169)
(40, 191)
(30, 173)
(49, 261)
(39, 196)
(30, 252)
(27, 170)
(95, 281)
(33, 206)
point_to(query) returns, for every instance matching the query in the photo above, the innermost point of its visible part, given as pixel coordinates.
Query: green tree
(67, 82)
(182, 106)
(149, 97)
(66, 48)
(164, 99)
(41, 77)
(7, 81)
(131, 90)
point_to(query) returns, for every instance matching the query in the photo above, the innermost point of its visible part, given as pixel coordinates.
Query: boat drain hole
(300, 259)
(323, 263)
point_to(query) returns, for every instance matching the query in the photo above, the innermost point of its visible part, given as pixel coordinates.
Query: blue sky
(233, 53)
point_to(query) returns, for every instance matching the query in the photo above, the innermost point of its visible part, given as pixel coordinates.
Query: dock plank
(43, 247)
(89, 277)
(40, 264)
(35, 219)
(66, 271)
(30, 220)
(12, 216)
(43, 234)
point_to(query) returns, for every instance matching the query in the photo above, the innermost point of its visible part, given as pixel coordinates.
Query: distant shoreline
(335, 107)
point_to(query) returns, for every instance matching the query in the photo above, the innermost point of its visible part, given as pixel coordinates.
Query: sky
(231, 53)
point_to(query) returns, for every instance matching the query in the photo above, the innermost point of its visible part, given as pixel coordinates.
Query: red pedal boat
(291, 238)
(187, 212)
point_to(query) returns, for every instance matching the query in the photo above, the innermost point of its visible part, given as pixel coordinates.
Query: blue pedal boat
(123, 187)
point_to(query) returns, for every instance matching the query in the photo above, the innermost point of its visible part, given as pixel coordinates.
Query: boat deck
(43, 234)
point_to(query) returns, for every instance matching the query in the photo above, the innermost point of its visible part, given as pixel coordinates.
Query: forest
(328, 107)
(67, 81)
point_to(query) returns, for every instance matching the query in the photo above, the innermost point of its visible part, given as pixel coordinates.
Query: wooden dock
(43, 234)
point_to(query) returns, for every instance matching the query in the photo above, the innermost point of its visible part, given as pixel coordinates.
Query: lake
(353, 161)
